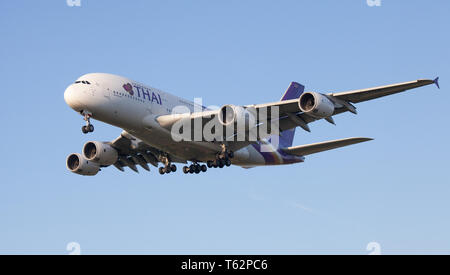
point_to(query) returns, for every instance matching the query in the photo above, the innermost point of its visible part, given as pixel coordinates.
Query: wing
(304, 150)
(288, 113)
(133, 151)
(343, 102)
(358, 96)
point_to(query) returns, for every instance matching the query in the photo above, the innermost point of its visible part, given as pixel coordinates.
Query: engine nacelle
(230, 114)
(99, 152)
(77, 164)
(316, 105)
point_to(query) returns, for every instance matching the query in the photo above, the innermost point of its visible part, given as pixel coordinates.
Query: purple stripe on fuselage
(269, 157)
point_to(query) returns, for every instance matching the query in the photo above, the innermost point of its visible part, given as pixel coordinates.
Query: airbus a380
(147, 117)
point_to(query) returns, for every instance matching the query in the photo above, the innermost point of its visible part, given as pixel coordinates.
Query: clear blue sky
(393, 190)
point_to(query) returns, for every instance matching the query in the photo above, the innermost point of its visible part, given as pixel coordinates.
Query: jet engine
(316, 105)
(77, 164)
(100, 153)
(230, 114)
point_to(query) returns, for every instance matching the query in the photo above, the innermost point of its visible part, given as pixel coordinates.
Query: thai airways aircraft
(148, 117)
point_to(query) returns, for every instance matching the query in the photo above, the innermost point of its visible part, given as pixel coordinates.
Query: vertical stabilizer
(293, 91)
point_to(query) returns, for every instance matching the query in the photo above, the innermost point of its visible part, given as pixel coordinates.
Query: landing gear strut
(88, 128)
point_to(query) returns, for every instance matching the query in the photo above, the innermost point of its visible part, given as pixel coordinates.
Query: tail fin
(293, 91)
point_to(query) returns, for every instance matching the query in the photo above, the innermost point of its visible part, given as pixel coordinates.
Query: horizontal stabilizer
(309, 149)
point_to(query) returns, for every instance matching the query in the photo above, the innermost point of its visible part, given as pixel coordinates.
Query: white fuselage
(134, 107)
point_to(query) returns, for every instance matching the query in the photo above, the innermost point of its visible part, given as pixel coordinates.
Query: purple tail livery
(293, 91)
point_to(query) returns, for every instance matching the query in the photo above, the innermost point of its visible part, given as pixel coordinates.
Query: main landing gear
(222, 159)
(88, 128)
(168, 167)
(195, 168)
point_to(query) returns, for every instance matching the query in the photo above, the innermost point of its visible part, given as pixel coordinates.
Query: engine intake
(230, 114)
(77, 164)
(100, 152)
(316, 105)
(227, 115)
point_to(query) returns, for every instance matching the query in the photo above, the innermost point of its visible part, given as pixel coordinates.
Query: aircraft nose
(71, 97)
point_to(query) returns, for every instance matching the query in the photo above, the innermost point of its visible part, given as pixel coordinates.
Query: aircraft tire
(228, 163)
(162, 170)
(185, 169)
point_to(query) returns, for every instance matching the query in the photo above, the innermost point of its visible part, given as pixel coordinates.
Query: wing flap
(132, 152)
(304, 150)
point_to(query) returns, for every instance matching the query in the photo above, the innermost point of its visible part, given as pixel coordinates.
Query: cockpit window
(84, 82)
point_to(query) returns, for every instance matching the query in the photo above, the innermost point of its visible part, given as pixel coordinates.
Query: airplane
(147, 117)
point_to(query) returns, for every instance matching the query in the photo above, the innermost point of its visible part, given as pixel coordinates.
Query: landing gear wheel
(197, 169)
(210, 164)
(185, 169)
(162, 170)
(228, 162)
(203, 168)
(221, 164)
(88, 128)
(173, 168)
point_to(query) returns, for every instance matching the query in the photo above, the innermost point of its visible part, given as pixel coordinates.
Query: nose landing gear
(88, 128)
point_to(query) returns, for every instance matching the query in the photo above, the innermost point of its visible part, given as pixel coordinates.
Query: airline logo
(128, 88)
(143, 93)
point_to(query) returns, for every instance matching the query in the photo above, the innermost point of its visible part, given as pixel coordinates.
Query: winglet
(436, 81)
